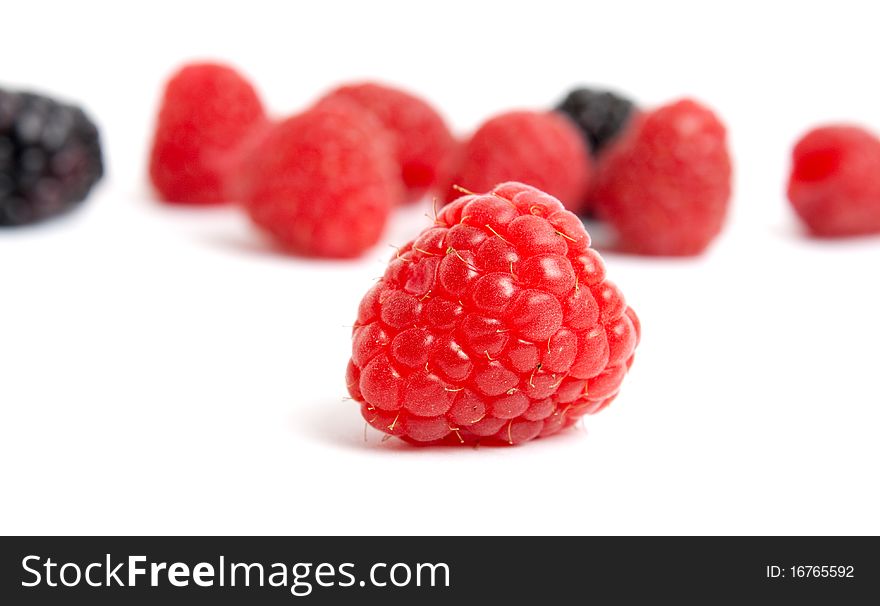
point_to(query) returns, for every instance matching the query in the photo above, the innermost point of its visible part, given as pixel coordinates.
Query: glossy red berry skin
(835, 181)
(496, 325)
(322, 183)
(544, 149)
(421, 139)
(665, 185)
(208, 114)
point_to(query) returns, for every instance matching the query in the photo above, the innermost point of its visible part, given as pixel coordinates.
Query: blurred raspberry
(544, 149)
(322, 183)
(665, 186)
(207, 115)
(835, 181)
(421, 139)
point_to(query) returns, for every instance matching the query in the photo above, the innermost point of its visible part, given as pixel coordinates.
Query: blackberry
(50, 157)
(600, 115)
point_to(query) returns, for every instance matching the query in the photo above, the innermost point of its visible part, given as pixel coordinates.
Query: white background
(163, 371)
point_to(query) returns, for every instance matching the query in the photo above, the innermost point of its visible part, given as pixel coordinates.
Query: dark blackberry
(600, 115)
(50, 157)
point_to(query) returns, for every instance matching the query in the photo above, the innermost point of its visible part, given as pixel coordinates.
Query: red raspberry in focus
(835, 181)
(208, 112)
(495, 325)
(544, 149)
(322, 183)
(422, 141)
(664, 186)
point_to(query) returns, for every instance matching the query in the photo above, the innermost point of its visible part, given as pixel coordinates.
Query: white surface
(162, 372)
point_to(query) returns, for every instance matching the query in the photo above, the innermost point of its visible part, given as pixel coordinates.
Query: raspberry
(322, 183)
(496, 325)
(208, 114)
(541, 148)
(601, 115)
(664, 186)
(835, 181)
(50, 157)
(422, 141)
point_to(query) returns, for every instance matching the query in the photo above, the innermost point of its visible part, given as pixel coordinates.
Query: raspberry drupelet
(494, 326)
